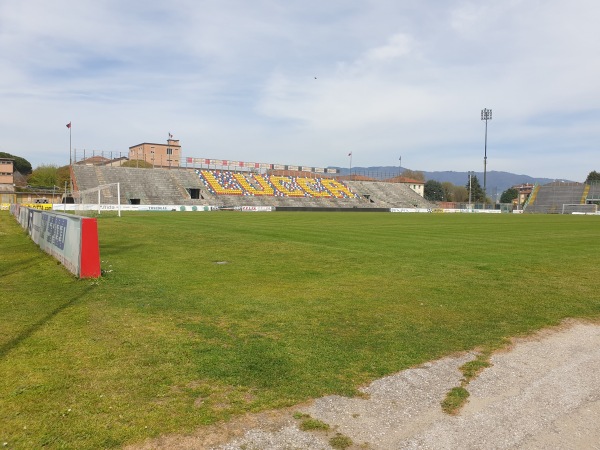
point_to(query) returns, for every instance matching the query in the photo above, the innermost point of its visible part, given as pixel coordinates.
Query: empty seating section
(286, 186)
(550, 198)
(222, 182)
(593, 192)
(251, 184)
(389, 195)
(230, 189)
(313, 187)
(146, 186)
(254, 186)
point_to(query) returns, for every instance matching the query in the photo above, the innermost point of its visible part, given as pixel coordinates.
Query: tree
(453, 193)
(460, 194)
(63, 176)
(44, 176)
(413, 175)
(21, 164)
(448, 189)
(509, 195)
(434, 192)
(49, 176)
(592, 177)
(477, 194)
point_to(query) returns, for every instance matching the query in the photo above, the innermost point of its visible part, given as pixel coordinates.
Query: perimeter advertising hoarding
(42, 206)
(72, 240)
(256, 208)
(102, 208)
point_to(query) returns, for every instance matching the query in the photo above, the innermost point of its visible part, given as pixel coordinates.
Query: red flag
(69, 125)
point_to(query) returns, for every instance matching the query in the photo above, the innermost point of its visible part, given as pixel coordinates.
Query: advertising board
(70, 239)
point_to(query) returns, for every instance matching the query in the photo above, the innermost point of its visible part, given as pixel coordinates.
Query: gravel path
(544, 393)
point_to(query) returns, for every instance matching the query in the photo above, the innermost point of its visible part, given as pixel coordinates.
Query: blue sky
(307, 82)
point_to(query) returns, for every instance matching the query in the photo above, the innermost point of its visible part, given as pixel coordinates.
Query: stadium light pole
(350, 155)
(486, 114)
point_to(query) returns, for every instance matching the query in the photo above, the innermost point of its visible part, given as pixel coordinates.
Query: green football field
(199, 317)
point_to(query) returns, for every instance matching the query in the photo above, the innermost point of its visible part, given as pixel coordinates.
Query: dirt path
(544, 393)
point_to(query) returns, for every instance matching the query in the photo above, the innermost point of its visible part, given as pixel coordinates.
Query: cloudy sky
(308, 81)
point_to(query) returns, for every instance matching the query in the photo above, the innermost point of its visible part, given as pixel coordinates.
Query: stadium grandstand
(563, 198)
(222, 184)
(244, 188)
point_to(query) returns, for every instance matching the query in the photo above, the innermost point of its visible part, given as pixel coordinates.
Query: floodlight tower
(486, 114)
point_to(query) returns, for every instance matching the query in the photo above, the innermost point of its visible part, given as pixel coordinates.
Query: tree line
(436, 191)
(446, 191)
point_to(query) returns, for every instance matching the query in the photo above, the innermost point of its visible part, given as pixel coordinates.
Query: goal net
(106, 197)
(588, 208)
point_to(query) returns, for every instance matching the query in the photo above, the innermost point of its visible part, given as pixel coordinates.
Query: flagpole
(70, 163)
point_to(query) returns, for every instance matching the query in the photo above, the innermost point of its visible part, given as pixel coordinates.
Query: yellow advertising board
(41, 206)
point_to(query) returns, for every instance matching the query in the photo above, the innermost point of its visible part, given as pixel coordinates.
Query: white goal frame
(98, 202)
(579, 208)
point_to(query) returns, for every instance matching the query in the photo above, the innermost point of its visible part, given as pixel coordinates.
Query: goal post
(106, 197)
(579, 208)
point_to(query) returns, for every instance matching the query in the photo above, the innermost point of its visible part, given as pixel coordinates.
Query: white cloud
(399, 45)
(237, 80)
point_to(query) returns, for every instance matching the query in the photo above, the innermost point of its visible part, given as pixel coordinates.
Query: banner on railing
(70, 239)
(245, 165)
(94, 207)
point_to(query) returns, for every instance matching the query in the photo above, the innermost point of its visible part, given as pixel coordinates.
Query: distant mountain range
(497, 182)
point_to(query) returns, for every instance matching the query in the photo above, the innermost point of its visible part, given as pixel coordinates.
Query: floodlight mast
(486, 114)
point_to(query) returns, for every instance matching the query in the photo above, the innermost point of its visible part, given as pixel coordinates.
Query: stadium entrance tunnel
(194, 193)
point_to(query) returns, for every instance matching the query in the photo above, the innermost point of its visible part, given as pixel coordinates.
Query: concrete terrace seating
(172, 187)
(148, 186)
(389, 195)
(551, 197)
(593, 193)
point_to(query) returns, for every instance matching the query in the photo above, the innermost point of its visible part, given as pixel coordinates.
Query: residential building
(7, 183)
(159, 155)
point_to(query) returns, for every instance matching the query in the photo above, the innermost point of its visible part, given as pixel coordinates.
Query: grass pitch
(202, 316)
